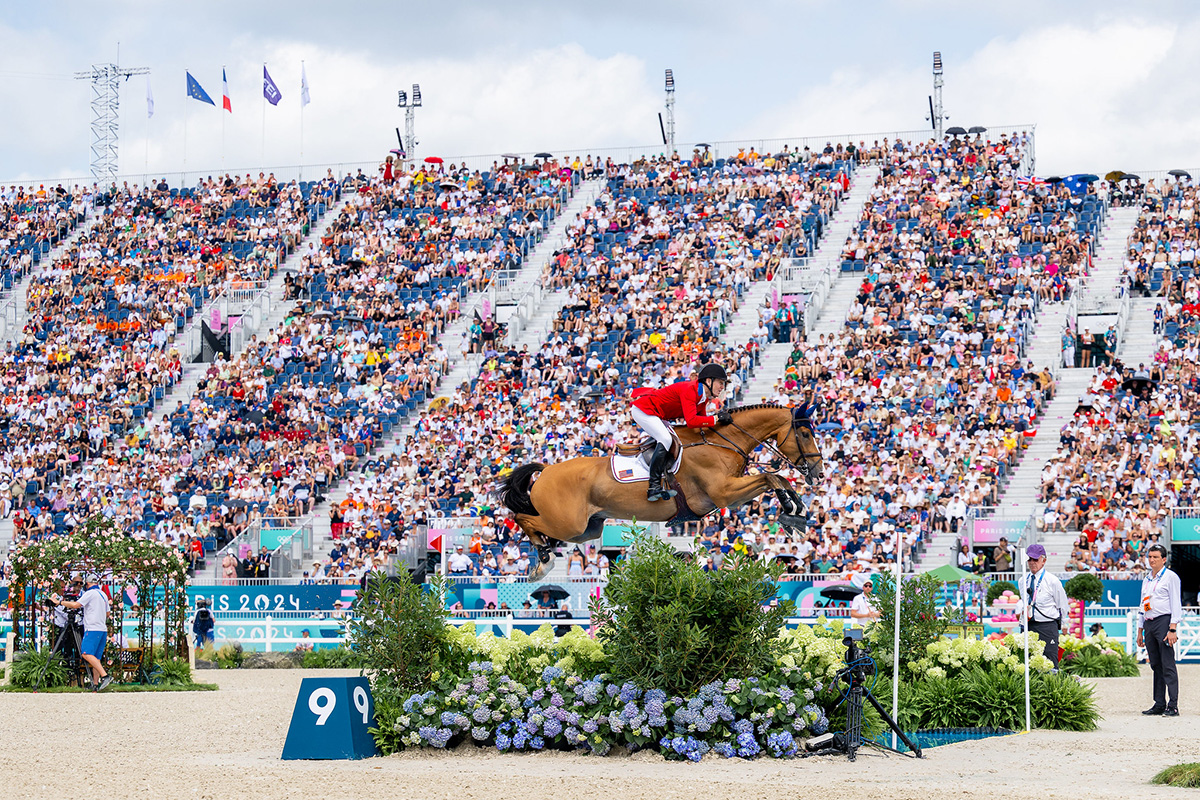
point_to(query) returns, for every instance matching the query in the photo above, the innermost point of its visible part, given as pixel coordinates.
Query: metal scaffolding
(106, 104)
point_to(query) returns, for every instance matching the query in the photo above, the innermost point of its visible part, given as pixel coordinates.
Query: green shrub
(1185, 775)
(27, 669)
(174, 671)
(400, 632)
(1062, 702)
(921, 621)
(997, 697)
(667, 624)
(1085, 587)
(333, 658)
(229, 655)
(942, 703)
(1091, 662)
(997, 588)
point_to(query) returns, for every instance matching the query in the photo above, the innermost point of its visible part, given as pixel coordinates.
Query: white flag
(149, 99)
(304, 99)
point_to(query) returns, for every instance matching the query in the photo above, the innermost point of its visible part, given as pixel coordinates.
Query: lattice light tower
(670, 110)
(936, 117)
(106, 118)
(410, 119)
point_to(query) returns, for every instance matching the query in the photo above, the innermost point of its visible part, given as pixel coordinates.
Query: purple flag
(270, 90)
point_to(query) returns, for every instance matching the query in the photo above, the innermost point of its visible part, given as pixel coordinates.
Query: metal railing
(289, 555)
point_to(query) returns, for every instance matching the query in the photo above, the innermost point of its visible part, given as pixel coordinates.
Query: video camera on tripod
(859, 667)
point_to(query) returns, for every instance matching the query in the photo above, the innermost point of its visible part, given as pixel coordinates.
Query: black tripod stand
(70, 644)
(855, 676)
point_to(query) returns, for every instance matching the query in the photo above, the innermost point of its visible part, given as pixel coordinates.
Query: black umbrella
(354, 262)
(1054, 179)
(956, 131)
(511, 155)
(1129, 176)
(846, 592)
(1179, 173)
(1087, 178)
(543, 155)
(705, 145)
(531, 168)
(977, 129)
(322, 313)
(1137, 385)
(556, 592)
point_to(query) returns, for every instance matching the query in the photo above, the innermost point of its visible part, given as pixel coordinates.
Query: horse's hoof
(791, 521)
(541, 569)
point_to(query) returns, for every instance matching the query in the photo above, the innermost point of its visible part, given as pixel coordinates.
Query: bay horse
(570, 501)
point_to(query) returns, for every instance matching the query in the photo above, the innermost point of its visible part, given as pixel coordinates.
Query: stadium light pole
(670, 84)
(937, 117)
(410, 106)
(106, 118)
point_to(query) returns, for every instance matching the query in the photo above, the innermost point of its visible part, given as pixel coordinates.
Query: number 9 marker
(325, 708)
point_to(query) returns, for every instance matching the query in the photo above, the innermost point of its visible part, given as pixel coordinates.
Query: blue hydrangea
(747, 745)
(556, 700)
(481, 714)
(479, 733)
(590, 726)
(479, 683)
(503, 742)
(537, 742)
(630, 692)
(743, 726)
(552, 728)
(550, 673)
(724, 749)
(612, 690)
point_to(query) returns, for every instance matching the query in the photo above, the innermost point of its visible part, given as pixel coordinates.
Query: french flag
(225, 92)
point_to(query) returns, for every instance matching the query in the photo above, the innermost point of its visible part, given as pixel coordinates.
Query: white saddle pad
(631, 469)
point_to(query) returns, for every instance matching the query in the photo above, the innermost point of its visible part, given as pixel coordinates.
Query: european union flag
(196, 91)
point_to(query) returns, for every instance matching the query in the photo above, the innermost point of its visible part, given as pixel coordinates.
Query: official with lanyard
(1049, 609)
(1162, 606)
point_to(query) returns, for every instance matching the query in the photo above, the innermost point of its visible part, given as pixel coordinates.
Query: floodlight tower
(670, 111)
(936, 117)
(410, 119)
(106, 119)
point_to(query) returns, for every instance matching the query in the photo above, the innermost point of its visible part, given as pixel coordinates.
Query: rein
(767, 443)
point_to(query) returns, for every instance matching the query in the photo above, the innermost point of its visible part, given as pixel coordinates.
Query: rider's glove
(724, 417)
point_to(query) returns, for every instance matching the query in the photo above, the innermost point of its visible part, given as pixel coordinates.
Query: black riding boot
(658, 464)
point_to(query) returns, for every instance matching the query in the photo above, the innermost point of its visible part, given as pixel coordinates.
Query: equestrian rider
(683, 400)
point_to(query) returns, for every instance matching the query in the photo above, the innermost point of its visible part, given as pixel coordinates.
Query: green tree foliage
(665, 623)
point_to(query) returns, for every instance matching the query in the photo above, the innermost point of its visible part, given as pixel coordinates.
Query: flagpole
(302, 119)
(185, 120)
(222, 118)
(262, 150)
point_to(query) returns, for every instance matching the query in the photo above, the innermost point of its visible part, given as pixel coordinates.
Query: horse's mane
(754, 407)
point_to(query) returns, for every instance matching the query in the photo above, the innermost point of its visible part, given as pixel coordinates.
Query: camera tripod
(72, 649)
(855, 676)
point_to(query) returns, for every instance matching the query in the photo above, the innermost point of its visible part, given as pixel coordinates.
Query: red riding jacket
(677, 401)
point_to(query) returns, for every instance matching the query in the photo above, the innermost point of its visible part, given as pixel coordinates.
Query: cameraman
(95, 607)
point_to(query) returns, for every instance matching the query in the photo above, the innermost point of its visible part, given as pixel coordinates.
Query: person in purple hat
(1049, 609)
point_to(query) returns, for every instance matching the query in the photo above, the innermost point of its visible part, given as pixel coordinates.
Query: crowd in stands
(1127, 457)
(33, 222)
(653, 269)
(99, 351)
(926, 398)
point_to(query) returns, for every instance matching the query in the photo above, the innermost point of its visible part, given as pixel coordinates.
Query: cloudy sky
(1110, 85)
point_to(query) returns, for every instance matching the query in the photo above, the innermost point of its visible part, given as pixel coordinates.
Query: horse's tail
(513, 489)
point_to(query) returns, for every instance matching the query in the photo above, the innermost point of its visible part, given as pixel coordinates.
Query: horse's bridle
(805, 463)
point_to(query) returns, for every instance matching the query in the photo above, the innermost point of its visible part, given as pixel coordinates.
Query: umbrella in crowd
(438, 402)
(977, 129)
(1054, 179)
(1179, 173)
(1115, 175)
(542, 155)
(450, 186)
(948, 573)
(1138, 385)
(433, 160)
(1129, 176)
(1087, 178)
(398, 153)
(956, 131)
(705, 145)
(556, 592)
(842, 592)
(513, 156)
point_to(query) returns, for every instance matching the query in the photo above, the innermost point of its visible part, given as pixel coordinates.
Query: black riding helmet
(712, 372)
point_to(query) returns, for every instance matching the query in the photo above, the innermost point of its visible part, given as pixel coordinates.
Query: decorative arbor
(151, 578)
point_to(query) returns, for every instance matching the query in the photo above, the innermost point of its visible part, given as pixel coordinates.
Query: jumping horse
(570, 501)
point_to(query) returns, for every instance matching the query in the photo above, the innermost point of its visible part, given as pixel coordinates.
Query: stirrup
(661, 493)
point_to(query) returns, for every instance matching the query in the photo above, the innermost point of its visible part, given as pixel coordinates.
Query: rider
(684, 401)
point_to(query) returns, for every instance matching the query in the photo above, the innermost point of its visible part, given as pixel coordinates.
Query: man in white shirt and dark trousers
(1162, 606)
(1049, 608)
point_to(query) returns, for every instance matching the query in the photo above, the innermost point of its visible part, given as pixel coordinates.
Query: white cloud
(1084, 87)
